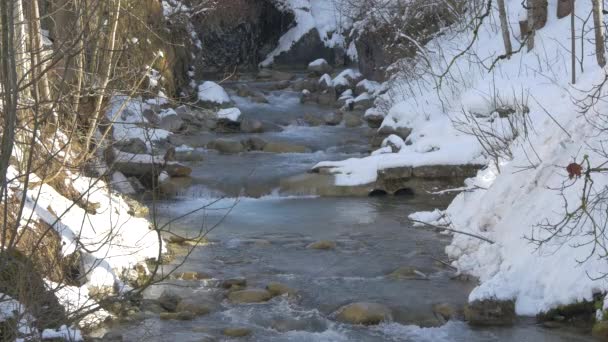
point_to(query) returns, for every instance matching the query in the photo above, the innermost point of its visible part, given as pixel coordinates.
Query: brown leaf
(574, 170)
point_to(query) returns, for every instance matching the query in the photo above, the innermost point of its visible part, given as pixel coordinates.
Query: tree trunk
(106, 69)
(530, 4)
(21, 42)
(598, 21)
(573, 39)
(504, 26)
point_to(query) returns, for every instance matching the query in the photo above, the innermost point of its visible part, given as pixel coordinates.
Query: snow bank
(212, 92)
(507, 201)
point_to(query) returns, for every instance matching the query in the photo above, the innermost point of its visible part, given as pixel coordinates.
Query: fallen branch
(455, 231)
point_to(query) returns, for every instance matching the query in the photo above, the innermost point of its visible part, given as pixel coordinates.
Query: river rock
(305, 84)
(192, 275)
(243, 90)
(445, 311)
(134, 145)
(278, 289)
(181, 316)
(228, 283)
(374, 117)
(151, 116)
(402, 132)
(237, 332)
(363, 102)
(364, 313)
(325, 82)
(254, 144)
(352, 120)
(333, 118)
(189, 156)
(275, 147)
(407, 273)
(490, 312)
(319, 67)
(168, 300)
(313, 120)
(197, 306)
(250, 296)
(172, 123)
(275, 75)
(323, 244)
(327, 97)
(226, 146)
(249, 125)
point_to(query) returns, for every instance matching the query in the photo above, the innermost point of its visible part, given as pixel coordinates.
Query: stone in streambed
(407, 273)
(237, 332)
(226, 146)
(273, 147)
(168, 300)
(490, 312)
(278, 289)
(196, 306)
(181, 316)
(364, 313)
(333, 119)
(254, 144)
(323, 245)
(249, 125)
(352, 120)
(250, 296)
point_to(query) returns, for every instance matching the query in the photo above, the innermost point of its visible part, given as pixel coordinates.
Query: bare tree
(504, 26)
(598, 21)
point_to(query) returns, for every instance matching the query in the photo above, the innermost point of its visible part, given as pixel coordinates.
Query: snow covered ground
(510, 200)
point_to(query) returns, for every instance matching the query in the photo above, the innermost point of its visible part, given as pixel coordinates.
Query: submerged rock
(278, 289)
(333, 118)
(323, 244)
(226, 146)
(490, 312)
(273, 147)
(250, 296)
(181, 316)
(364, 313)
(197, 306)
(407, 272)
(249, 125)
(237, 332)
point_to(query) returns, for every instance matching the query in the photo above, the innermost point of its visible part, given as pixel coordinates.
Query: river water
(261, 234)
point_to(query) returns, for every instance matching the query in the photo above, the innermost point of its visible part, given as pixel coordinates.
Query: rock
(275, 75)
(367, 86)
(374, 117)
(211, 94)
(364, 313)
(134, 145)
(363, 102)
(249, 125)
(313, 120)
(325, 82)
(151, 116)
(250, 296)
(196, 306)
(490, 312)
(281, 85)
(228, 283)
(192, 275)
(145, 165)
(444, 311)
(333, 118)
(319, 67)
(168, 300)
(278, 289)
(446, 171)
(352, 120)
(305, 84)
(274, 147)
(323, 244)
(394, 142)
(407, 272)
(171, 123)
(402, 132)
(254, 144)
(181, 316)
(237, 332)
(259, 98)
(189, 156)
(243, 90)
(226, 146)
(173, 185)
(327, 97)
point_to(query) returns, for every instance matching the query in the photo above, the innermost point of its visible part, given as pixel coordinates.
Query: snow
(212, 92)
(129, 121)
(64, 333)
(317, 63)
(508, 200)
(230, 114)
(322, 15)
(346, 77)
(325, 80)
(371, 87)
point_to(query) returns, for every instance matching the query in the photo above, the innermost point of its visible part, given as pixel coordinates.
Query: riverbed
(257, 232)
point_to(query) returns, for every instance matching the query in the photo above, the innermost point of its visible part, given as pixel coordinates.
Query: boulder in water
(237, 332)
(490, 312)
(364, 313)
(274, 147)
(250, 296)
(333, 118)
(168, 300)
(254, 144)
(319, 67)
(323, 244)
(226, 146)
(278, 289)
(249, 125)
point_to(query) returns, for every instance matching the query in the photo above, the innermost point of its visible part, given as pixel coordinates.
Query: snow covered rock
(347, 79)
(211, 93)
(363, 102)
(172, 123)
(394, 142)
(367, 86)
(325, 82)
(229, 115)
(319, 67)
(374, 117)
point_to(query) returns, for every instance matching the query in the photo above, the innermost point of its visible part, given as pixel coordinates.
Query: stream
(258, 233)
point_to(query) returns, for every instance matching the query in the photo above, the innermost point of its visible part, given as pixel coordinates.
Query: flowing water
(265, 239)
